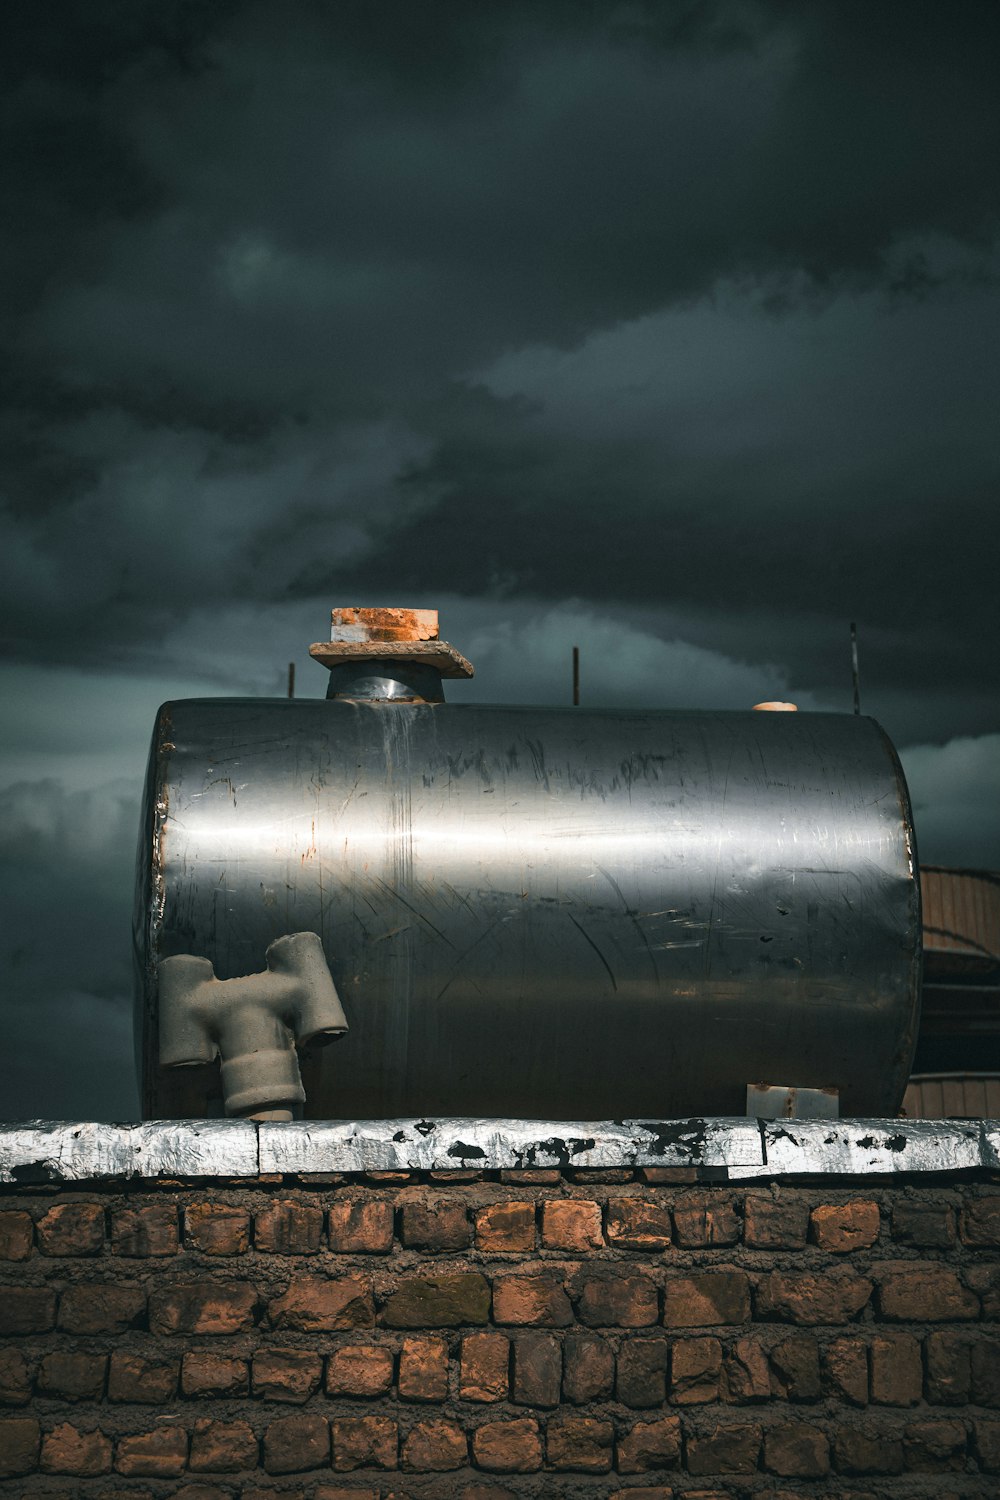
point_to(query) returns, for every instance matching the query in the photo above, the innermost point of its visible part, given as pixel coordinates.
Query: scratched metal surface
(736, 1150)
(545, 913)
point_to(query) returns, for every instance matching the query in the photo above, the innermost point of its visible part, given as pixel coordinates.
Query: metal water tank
(546, 913)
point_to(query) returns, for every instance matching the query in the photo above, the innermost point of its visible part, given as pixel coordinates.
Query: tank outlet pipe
(251, 1023)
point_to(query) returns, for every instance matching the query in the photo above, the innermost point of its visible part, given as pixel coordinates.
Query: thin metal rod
(291, 679)
(576, 677)
(854, 668)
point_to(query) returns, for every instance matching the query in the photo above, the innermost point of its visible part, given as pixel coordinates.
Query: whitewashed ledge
(734, 1150)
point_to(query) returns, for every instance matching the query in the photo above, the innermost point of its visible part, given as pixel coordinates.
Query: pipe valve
(252, 1023)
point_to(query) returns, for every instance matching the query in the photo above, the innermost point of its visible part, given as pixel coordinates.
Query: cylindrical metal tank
(544, 913)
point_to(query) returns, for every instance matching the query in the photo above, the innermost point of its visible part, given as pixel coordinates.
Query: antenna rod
(854, 668)
(291, 679)
(576, 677)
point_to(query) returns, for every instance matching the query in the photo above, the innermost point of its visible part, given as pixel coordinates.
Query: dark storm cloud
(261, 249)
(65, 879)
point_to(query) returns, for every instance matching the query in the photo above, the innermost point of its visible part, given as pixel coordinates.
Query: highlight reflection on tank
(556, 913)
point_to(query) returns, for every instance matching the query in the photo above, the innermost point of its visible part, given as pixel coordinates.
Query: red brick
(618, 1301)
(511, 1447)
(286, 1374)
(780, 1223)
(841, 1227)
(253, 1492)
(795, 1368)
(588, 1368)
(434, 1447)
(148, 1230)
(15, 1234)
(927, 1225)
(980, 1221)
(859, 1451)
(161, 1454)
(695, 1371)
(537, 1370)
(27, 1309)
(601, 1174)
(15, 1378)
(71, 1229)
(293, 1444)
(445, 1301)
(650, 1445)
(360, 1226)
(812, 1299)
(986, 1445)
(727, 1450)
(365, 1443)
(531, 1301)
(322, 1492)
(100, 1308)
(435, 1224)
(897, 1369)
(531, 1176)
(216, 1228)
(924, 1294)
(360, 1370)
(222, 1447)
(845, 1370)
(204, 1373)
(423, 1369)
(986, 1372)
(288, 1228)
(19, 1443)
(705, 1219)
(934, 1447)
(579, 1444)
(68, 1450)
(798, 1451)
(193, 1491)
(133, 1377)
(746, 1375)
(505, 1227)
(985, 1279)
(668, 1176)
(572, 1224)
(659, 1492)
(204, 1307)
(73, 1376)
(949, 1368)
(706, 1298)
(642, 1372)
(319, 1304)
(637, 1224)
(483, 1367)
(477, 1491)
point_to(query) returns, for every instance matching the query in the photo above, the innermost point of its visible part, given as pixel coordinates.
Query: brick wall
(618, 1333)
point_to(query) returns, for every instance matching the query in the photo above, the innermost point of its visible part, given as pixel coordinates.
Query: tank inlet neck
(388, 655)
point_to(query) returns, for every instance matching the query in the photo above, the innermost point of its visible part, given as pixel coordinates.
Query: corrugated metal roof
(942, 1096)
(961, 917)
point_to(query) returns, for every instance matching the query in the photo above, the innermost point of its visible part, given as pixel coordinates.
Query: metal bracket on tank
(388, 655)
(778, 1101)
(252, 1023)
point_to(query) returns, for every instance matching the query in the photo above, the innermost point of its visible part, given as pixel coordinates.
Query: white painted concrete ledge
(737, 1149)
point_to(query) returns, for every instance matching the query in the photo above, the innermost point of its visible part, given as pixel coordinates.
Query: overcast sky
(669, 330)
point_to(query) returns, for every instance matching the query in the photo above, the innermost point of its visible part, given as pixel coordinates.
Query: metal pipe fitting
(251, 1023)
